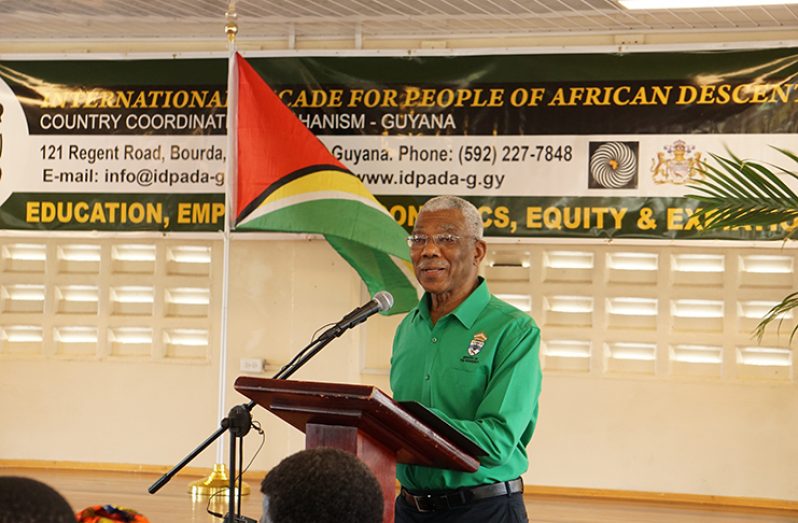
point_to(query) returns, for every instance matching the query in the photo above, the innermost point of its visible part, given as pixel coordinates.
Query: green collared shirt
(477, 368)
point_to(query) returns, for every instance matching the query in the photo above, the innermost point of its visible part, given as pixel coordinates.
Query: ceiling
(100, 20)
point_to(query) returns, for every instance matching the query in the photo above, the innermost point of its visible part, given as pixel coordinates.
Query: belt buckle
(430, 503)
(420, 505)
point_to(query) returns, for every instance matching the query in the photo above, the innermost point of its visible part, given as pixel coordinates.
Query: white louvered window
(109, 299)
(652, 312)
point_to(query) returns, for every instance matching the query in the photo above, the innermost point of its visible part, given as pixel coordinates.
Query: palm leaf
(778, 312)
(742, 193)
(739, 193)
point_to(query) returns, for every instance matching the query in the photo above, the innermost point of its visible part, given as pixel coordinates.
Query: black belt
(444, 500)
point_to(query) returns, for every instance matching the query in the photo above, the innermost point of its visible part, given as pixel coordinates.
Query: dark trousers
(498, 509)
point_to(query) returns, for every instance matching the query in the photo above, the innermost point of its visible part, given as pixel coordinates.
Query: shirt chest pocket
(464, 384)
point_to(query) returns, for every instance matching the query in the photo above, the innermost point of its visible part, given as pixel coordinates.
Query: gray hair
(471, 215)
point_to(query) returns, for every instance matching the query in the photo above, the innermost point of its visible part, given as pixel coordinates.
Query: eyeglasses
(418, 241)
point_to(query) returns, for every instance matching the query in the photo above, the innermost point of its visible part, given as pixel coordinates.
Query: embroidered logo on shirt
(477, 343)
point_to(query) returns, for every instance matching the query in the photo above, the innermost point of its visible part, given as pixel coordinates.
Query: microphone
(382, 301)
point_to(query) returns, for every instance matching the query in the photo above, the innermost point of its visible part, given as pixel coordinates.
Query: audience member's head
(321, 485)
(25, 500)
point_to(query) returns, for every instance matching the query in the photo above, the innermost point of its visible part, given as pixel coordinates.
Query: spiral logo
(613, 165)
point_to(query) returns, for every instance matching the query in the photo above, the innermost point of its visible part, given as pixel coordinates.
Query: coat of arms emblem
(477, 343)
(679, 166)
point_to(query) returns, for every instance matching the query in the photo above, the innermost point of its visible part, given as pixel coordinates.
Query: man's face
(446, 269)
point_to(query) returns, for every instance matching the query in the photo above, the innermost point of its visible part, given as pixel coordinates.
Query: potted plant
(748, 193)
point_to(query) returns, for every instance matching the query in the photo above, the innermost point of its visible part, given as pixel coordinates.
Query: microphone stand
(239, 421)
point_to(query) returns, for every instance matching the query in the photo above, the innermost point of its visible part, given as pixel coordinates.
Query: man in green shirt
(473, 360)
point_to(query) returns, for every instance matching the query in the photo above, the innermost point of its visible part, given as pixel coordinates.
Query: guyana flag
(289, 182)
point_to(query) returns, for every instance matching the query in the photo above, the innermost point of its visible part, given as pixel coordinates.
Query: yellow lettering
(81, 212)
(687, 95)
(533, 215)
(617, 215)
(32, 210)
(675, 219)
(558, 98)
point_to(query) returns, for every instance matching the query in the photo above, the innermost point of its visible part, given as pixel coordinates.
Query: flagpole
(218, 479)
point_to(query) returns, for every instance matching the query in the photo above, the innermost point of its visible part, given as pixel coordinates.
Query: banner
(554, 145)
(127, 145)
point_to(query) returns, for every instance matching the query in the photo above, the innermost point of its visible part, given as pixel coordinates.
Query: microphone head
(384, 300)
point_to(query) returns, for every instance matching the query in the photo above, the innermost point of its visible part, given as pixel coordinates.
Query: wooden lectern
(363, 420)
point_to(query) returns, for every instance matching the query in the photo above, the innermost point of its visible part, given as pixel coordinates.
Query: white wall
(100, 407)
(650, 433)
(627, 434)
(727, 435)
